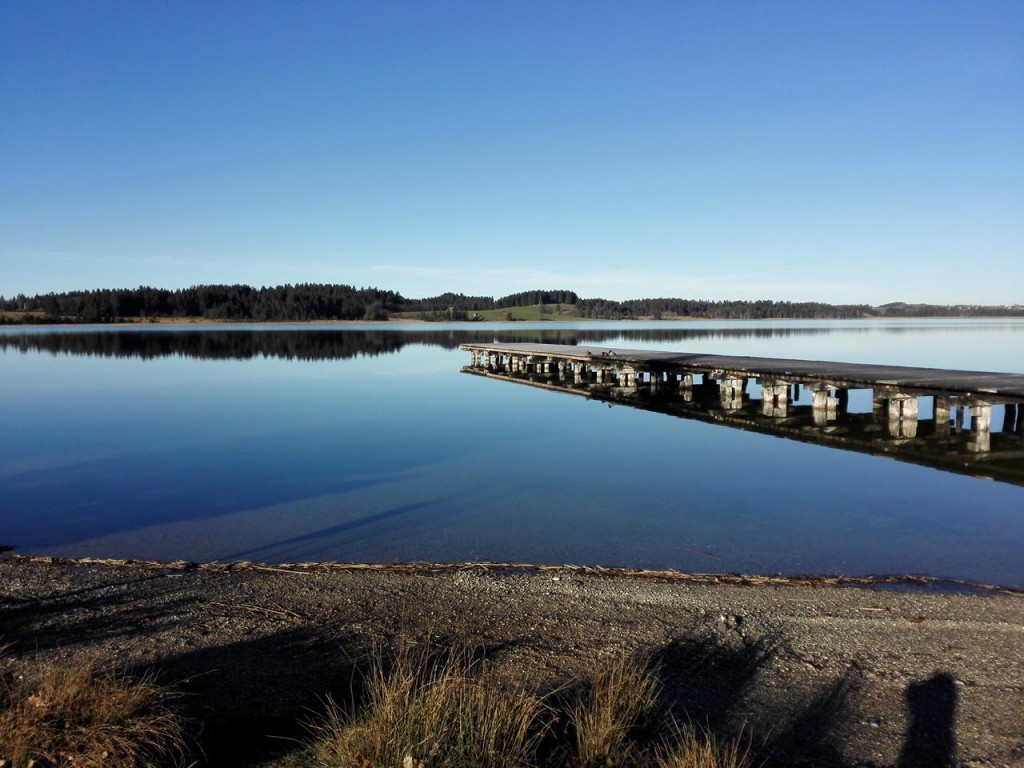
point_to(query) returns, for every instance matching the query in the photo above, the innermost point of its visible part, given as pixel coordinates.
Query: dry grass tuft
(619, 695)
(423, 710)
(690, 747)
(73, 714)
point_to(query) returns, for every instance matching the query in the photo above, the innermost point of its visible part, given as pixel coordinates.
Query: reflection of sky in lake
(401, 457)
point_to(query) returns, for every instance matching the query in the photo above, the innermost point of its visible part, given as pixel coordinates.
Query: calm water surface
(290, 443)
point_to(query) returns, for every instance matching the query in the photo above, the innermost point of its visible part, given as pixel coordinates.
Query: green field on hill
(533, 312)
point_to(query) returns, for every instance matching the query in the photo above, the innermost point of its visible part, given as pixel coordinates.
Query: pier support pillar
(902, 415)
(941, 417)
(775, 399)
(686, 387)
(731, 390)
(823, 405)
(980, 439)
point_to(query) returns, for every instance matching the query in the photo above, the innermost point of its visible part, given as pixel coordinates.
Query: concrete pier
(801, 373)
(964, 404)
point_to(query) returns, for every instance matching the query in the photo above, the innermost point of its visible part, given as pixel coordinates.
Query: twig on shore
(280, 611)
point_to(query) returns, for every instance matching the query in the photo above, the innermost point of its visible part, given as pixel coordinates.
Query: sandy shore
(825, 675)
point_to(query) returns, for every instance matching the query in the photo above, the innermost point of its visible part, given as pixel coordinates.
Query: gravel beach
(823, 674)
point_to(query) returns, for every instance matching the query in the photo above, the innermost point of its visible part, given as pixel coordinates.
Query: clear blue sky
(856, 151)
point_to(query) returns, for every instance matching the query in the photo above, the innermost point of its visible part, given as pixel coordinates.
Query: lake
(369, 443)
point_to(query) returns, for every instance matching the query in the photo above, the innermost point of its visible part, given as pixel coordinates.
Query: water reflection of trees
(331, 344)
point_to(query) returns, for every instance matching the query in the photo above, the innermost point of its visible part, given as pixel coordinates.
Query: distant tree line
(724, 310)
(311, 302)
(214, 302)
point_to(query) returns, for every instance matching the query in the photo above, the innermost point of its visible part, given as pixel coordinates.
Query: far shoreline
(200, 321)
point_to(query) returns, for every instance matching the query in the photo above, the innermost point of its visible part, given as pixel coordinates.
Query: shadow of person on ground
(930, 741)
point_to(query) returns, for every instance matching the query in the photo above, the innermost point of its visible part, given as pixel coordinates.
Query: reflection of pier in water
(958, 437)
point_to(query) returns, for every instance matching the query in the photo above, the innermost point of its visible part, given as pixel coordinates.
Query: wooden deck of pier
(981, 385)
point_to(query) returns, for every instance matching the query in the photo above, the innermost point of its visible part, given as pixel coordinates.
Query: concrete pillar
(910, 408)
(775, 399)
(980, 439)
(821, 400)
(731, 392)
(823, 405)
(941, 417)
(902, 415)
(599, 375)
(686, 382)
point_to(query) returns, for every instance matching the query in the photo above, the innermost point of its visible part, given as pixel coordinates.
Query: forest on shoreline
(333, 302)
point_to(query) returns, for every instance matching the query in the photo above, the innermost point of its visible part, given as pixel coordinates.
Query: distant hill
(324, 302)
